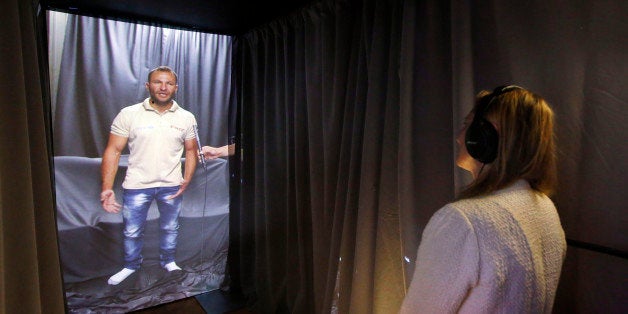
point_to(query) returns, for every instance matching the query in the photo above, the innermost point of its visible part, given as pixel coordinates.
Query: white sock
(120, 276)
(172, 266)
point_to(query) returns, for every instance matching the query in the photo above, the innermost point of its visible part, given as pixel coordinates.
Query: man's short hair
(164, 68)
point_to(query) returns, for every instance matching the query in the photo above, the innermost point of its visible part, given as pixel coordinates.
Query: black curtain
(330, 153)
(349, 112)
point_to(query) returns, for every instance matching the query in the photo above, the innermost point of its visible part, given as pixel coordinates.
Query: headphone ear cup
(481, 140)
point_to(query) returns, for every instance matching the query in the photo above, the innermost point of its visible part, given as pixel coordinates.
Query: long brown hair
(526, 146)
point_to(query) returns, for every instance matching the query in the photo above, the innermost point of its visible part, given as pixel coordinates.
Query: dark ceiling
(229, 17)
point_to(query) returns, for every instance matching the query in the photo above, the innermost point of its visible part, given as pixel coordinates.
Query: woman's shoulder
(459, 211)
(479, 207)
(519, 189)
(468, 205)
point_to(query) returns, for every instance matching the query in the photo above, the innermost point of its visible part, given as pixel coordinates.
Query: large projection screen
(97, 67)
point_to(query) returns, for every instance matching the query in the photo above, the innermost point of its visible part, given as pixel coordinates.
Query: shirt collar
(147, 105)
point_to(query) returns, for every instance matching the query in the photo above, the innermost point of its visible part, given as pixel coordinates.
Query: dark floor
(213, 302)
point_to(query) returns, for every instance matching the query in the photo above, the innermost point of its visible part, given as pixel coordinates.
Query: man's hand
(184, 185)
(108, 200)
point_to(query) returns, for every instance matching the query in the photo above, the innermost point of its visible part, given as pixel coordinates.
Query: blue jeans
(136, 205)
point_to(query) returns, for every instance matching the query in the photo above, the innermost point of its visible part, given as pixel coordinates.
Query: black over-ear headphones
(481, 138)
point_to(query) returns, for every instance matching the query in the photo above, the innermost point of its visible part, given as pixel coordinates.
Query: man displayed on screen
(157, 132)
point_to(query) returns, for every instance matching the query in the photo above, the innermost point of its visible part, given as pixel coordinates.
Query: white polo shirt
(156, 143)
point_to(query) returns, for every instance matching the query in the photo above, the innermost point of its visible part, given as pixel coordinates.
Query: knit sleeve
(447, 265)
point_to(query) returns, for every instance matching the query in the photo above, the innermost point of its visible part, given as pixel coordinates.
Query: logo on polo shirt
(177, 128)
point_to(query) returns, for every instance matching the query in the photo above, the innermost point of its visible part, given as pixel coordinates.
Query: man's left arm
(191, 154)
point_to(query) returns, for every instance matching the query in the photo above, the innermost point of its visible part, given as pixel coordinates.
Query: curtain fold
(30, 280)
(427, 120)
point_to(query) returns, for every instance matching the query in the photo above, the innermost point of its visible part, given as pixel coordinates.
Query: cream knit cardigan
(500, 253)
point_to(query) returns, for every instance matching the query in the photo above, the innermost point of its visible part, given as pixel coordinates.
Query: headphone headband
(498, 91)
